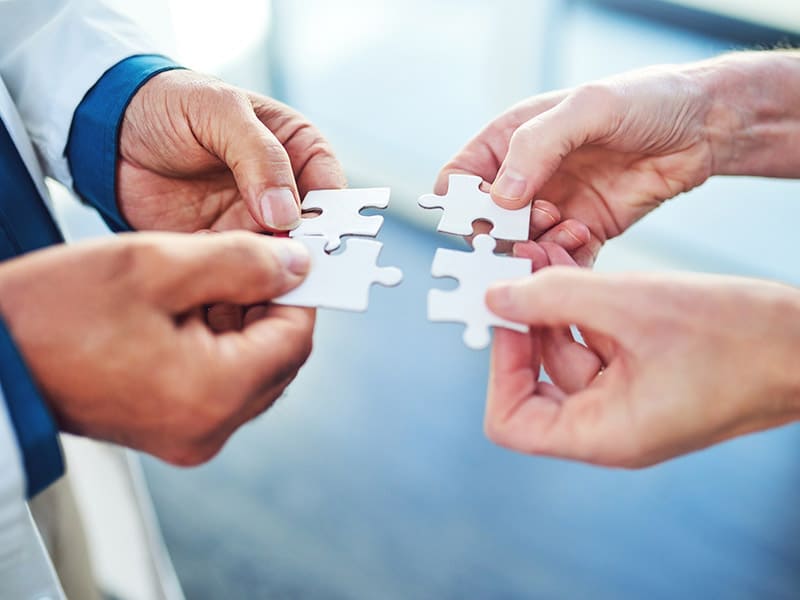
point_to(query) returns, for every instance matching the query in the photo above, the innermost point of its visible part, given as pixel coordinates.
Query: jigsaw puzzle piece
(440, 309)
(340, 214)
(465, 203)
(475, 272)
(342, 280)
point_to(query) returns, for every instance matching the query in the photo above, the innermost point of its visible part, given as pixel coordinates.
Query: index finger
(314, 163)
(484, 153)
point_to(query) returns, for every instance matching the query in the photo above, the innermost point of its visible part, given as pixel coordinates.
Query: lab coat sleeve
(51, 53)
(25, 567)
(92, 149)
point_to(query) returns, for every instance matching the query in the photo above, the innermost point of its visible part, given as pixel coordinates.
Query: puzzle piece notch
(340, 214)
(465, 203)
(342, 280)
(475, 272)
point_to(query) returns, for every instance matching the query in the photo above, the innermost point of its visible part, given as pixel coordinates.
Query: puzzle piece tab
(465, 203)
(475, 272)
(341, 280)
(340, 214)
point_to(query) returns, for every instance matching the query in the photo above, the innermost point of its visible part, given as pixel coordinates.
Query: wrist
(753, 117)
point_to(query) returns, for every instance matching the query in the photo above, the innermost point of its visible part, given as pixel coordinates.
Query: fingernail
(293, 255)
(279, 209)
(566, 239)
(550, 216)
(510, 185)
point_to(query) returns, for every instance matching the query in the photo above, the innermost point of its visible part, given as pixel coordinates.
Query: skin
(607, 153)
(668, 364)
(197, 153)
(166, 343)
(133, 359)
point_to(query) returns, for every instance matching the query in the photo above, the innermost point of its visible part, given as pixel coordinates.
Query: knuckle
(226, 96)
(142, 263)
(525, 137)
(277, 156)
(595, 96)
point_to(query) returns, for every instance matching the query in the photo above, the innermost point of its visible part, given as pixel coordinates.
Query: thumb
(259, 163)
(563, 296)
(238, 267)
(538, 146)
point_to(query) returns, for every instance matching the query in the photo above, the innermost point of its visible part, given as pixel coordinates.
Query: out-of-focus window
(781, 14)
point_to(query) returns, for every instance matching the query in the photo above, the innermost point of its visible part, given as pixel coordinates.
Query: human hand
(196, 153)
(672, 363)
(115, 335)
(603, 154)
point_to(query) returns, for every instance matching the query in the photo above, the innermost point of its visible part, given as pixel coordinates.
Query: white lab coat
(51, 53)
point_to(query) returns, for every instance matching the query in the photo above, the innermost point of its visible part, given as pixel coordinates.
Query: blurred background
(372, 478)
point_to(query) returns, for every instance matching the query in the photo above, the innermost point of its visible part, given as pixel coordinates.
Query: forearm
(753, 119)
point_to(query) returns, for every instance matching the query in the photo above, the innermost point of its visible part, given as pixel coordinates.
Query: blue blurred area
(372, 477)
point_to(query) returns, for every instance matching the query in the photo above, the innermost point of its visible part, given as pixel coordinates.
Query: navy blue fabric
(94, 135)
(25, 225)
(36, 431)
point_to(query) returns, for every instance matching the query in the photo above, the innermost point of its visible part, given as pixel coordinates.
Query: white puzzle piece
(475, 272)
(465, 203)
(341, 280)
(340, 214)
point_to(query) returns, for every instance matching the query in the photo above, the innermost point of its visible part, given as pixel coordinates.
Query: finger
(477, 158)
(315, 164)
(267, 353)
(224, 317)
(538, 146)
(534, 252)
(557, 255)
(484, 154)
(562, 296)
(586, 254)
(258, 161)
(570, 365)
(514, 371)
(578, 427)
(186, 271)
(570, 235)
(514, 383)
(544, 216)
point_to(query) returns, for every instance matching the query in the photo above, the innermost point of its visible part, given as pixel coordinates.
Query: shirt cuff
(36, 431)
(93, 144)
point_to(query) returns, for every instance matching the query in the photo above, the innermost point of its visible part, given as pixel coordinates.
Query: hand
(115, 336)
(606, 153)
(672, 363)
(196, 153)
(603, 155)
